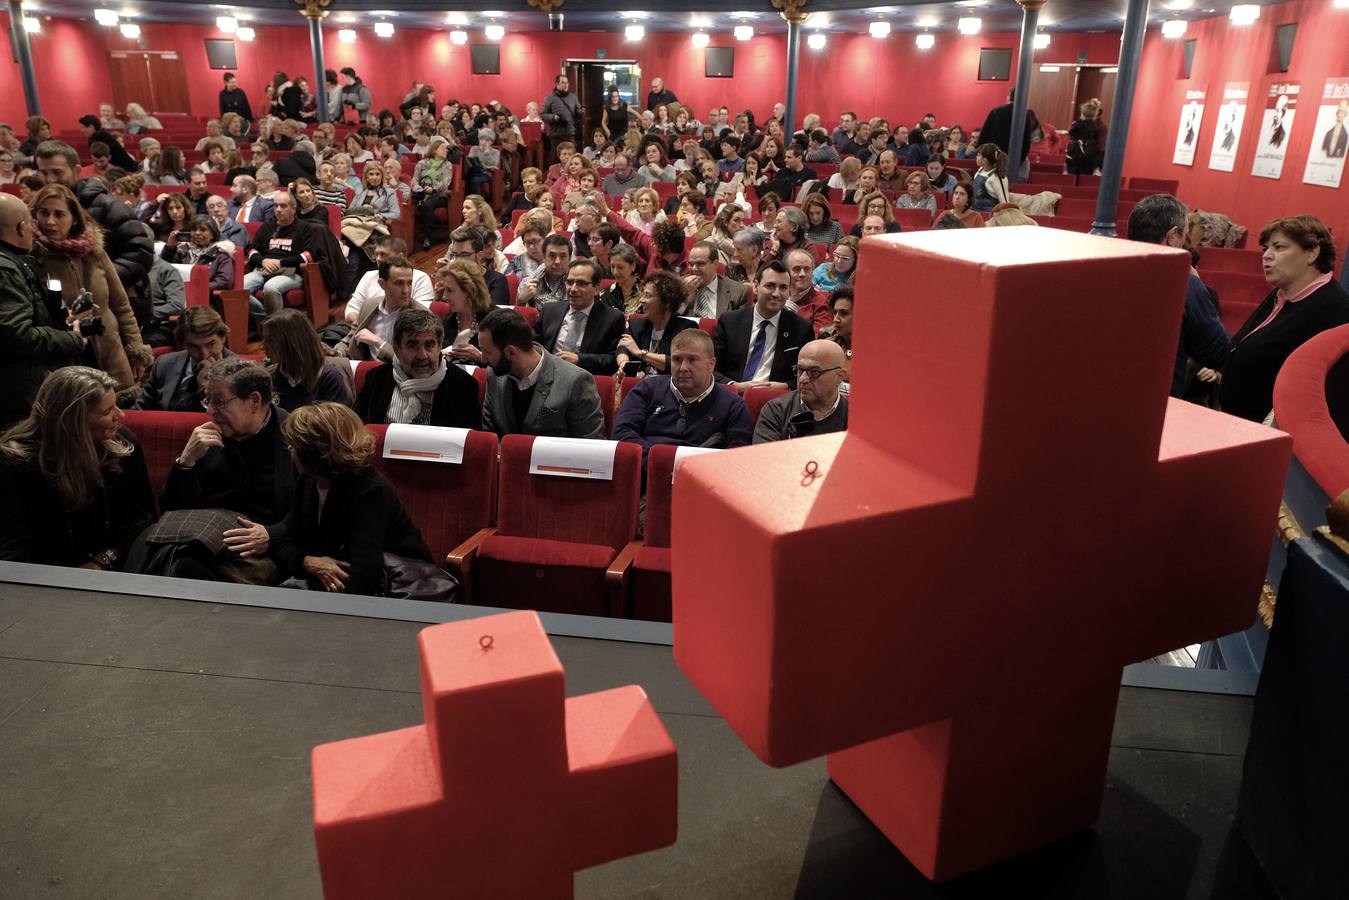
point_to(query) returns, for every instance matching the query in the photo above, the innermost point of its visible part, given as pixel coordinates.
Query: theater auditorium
(441, 454)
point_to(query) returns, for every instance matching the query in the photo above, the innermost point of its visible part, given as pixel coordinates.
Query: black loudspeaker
(1284, 36)
(995, 64)
(486, 59)
(220, 54)
(720, 62)
(1189, 55)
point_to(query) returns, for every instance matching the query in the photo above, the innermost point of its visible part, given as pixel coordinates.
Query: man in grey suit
(174, 385)
(710, 295)
(371, 335)
(529, 391)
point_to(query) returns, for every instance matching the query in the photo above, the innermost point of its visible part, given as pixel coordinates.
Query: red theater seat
(644, 581)
(162, 436)
(1154, 185)
(556, 537)
(755, 398)
(915, 219)
(604, 384)
(451, 504)
(1238, 295)
(1230, 259)
(362, 370)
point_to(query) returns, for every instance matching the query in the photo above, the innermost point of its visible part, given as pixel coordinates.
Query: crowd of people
(738, 276)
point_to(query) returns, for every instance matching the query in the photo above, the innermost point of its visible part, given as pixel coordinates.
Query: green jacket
(31, 343)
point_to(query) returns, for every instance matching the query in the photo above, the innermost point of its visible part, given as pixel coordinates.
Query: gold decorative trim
(792, 10)
(1268, 600)
(1289, 528)
(314, 9)
(546, 5)
(1032, 5)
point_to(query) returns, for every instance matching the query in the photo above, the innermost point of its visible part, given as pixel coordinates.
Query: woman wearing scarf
(431, 186)
(70, 260)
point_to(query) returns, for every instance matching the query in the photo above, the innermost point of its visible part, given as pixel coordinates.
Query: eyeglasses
(208, 403)
(811, 372)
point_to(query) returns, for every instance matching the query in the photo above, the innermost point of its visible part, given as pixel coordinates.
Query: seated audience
(531, 391)
(840, 268)
(301, 374)
(175, 381)
(710, 294)
(419, 387)
(247, 206)
(388, 247)
(371, 334)
(172, 217)
(345, 518)
(1299, 261)
(748, 255)
(646, 210)
(789, 233)
(482, 159)
(280, 248)
(581, 332)
(374, 193)
(36, 332)
(990, 181)
(166, 294)
(685, 408)
(602, 240)
(939, 177)
(757, 345)
(625, 294)
(841, 303)
(817, 406)
(962, 196)
(792, 175)
(624, 177)
(845, 179)
(803, 298)
(530, 236)
(548, 284)
(469, 242)
(217, 208)
(307, 205)
(431, 181)
(204, 248)
(821, 228)
(645, 349)
(73, 486)
(918, 193)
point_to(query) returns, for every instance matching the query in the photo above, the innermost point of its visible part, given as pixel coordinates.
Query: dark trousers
(427, 204)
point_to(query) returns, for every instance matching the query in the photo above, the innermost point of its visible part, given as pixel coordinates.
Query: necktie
(570, 343)
(707, 304)
(756, 354)
(243, 213)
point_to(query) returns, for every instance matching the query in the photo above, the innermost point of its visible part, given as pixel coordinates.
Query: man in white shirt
(371, 335)
(709, 295)
(423, 291)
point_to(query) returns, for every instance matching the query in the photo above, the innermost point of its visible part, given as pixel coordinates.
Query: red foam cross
(506, 790)
(1016, 512)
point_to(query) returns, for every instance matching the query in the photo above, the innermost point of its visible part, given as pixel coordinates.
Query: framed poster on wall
(1231, 116)
(1187, 135)
(1276, 127)
(1330, 136)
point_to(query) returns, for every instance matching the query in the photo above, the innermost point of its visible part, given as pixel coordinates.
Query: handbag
(415, 579)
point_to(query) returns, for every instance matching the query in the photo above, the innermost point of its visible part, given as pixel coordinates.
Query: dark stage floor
(159, 748)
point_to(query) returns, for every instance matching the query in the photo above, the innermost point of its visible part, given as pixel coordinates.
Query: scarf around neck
(405, 405)
(71, 246)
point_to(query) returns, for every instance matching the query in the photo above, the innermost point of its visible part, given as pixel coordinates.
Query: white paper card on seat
(573, 458)
(185, 270)
(425, 443)
(354, 363)
(683, 453)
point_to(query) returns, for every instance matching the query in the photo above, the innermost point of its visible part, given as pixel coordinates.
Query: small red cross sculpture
(506, 790)
(1016, 512)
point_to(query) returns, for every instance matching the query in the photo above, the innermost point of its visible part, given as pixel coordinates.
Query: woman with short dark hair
(646, 346)
(1299, 262)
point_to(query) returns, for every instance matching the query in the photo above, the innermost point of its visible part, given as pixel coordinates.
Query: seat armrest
(234, 310)
(459, 561)
(616, 579)
(315, 293)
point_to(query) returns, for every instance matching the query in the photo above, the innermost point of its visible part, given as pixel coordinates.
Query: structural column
(315, 11)
(1112, 170)
(794, 17)
(1030, 17)
(21, 46)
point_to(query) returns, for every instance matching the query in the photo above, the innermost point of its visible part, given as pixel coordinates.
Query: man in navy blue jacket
(687, 407)
(1160, 219)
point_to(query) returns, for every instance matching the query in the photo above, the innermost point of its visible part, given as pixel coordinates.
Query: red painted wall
(889, 77)
(1228, 53)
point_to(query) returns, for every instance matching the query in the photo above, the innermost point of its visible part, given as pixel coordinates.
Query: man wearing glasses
(581, 331)
(817, 406)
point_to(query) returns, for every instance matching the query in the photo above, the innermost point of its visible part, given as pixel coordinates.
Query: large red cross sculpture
(1016, 512)
(507, 789)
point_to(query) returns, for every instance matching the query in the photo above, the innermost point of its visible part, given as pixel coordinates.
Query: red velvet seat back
(755, 398)
(578, 510)
(449, 503)
(362, 370)
(163, 436)
(659, 492)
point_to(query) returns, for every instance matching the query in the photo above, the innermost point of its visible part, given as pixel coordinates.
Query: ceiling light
(816, 41)
(1244, 14)
(928, 22)
(384, 29)
(701, 39)
(969, 25)
(347, 36)
(1180, 5)
(744, 32)
(31, 24)
(494, 32)
(925, 41)
(456, 18)
(634, 32)
(130, 30)
(879, 29)
(227, 24)
(459, 37)
(1174, 28)
(1342, 4)
(633, 14)
(1041, 41)
(105, 17)
(697, 21)
(493, 13)
(245, 33)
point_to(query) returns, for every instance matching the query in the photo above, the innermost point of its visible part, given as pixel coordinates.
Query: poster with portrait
(1187, 135)
(1330, 137)
(1276, 129)
(1231, 116)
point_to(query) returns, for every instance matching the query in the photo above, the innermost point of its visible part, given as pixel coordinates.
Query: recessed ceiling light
(227, 24)
(493, 13)
(879, 30)
(1174, 28)
(925, 41)
(456, 18)
(459, 37)
(245, 33)
(1244, 14)
(634, 32)
(744, 32)
(105, 17)
(130, 30)
(816, 41)
(347, 36)
(970, 25)
(384, 29)
(494, 32)
(701, 39)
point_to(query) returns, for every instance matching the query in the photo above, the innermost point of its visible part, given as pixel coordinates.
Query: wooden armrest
(616, 579)
(459, 561)
(234, 310)
(315, 293)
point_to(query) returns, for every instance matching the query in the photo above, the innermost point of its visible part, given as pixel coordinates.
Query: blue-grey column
(21, 46)
(793, 59)
(1112, 170)
(1030, 16)
(316, 48)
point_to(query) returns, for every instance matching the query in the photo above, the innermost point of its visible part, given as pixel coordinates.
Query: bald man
(816, 406)
(31, 342)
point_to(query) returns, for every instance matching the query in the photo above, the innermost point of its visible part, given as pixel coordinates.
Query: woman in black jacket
(646, 346)
(1299, 260)
(345, 515)
(73, 485)
(1086, 140)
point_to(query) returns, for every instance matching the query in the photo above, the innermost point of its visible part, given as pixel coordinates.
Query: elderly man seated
(419, 387)
(817, 406)
(686, 407)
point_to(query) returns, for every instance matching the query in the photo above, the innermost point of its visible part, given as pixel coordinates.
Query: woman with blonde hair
(73, 485)
(300, 372)
(875, 204)
(646, 210)
(68, 253)
(375, 194)
(347, 528)
(868, 180)
(462, 284)
(728, 222)
(845, 179)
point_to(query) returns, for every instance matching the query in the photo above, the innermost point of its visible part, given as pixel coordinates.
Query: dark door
(168, 81)
(1093, 82)
(130, 75)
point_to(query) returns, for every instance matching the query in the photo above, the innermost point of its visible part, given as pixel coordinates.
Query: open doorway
(592, 78)
(1058, 90)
